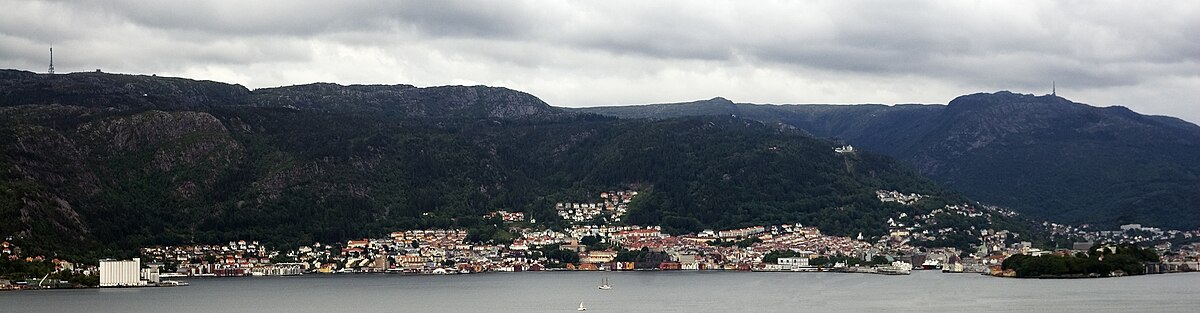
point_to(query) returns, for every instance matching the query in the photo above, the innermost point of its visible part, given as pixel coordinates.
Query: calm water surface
(924, 291)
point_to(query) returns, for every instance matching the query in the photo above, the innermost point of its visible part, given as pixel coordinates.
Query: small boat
(581, 308)
(604, 284)
(931, 265)
(172, 283)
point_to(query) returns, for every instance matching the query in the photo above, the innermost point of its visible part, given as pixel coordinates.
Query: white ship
(896, 268)
(931, 264)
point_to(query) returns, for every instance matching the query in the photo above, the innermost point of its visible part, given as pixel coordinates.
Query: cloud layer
(588, 53)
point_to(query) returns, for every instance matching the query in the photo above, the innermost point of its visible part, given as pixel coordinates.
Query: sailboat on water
(581, 308)
(604, 284)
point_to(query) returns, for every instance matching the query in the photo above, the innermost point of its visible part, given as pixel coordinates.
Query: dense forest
(1099, 261)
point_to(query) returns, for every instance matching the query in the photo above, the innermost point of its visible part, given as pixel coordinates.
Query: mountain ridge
(125, 91)
(122, 168)
(1129, 167)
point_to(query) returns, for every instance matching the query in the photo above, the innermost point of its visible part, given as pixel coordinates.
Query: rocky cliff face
(57, 167)
(41, 170)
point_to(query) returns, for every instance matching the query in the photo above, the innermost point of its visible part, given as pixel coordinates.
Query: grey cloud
(640, 46)
(246, 18)
(305, 18)
(518, 19)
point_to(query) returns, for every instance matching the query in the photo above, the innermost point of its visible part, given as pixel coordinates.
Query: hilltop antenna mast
(1053, 88)
(51, 70)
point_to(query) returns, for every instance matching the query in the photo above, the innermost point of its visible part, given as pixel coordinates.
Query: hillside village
(613, 206)
(585, 246)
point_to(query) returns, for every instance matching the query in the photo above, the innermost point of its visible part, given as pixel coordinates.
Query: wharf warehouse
(126, 273)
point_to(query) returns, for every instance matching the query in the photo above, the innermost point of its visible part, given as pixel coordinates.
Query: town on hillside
(913, 242)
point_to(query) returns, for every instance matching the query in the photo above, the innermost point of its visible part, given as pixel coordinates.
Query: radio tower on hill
(51, 70)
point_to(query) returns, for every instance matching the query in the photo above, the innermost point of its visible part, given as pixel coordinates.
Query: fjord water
(923, 291)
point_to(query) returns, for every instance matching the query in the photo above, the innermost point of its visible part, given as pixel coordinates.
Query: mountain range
(101, 163)
(1041, 155)
(95, 164)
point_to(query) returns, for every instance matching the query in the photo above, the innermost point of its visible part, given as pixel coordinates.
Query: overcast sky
(1140, 54)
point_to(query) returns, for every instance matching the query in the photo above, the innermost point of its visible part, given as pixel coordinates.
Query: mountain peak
(714, 102)
(1006, 101)
(1002, 96)
(720, 100)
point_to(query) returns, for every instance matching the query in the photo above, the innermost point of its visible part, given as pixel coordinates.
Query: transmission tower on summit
(51, 70)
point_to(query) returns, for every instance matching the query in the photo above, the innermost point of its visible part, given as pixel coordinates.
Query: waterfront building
(790, 263)
(152, 273)
(122, 273)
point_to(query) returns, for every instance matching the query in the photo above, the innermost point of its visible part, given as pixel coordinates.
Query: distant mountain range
(138, 92)
(97, 163)
(1041, 155)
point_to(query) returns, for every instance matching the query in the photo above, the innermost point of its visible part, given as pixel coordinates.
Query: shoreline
(332, 275)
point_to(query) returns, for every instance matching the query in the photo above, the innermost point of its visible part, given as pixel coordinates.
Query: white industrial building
(151, 273)
(124, 273)
(792, 263)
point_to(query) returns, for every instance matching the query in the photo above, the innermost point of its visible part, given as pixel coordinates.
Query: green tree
(774, 255)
